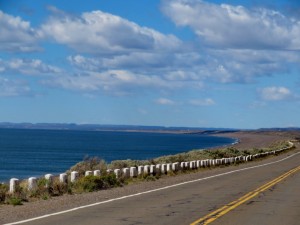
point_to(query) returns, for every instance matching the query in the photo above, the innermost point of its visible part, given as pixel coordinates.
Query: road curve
(187, 202)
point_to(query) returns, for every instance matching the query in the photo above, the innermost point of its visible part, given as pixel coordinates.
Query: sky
(192, 63)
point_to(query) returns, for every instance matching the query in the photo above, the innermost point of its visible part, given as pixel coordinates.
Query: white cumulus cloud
(98, 32)
(27, 67)
(17, 35)
(164, 101)
(231, 26)
(202, 102)
(275, 93)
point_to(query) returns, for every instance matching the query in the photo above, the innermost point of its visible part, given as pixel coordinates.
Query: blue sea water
(25, 153)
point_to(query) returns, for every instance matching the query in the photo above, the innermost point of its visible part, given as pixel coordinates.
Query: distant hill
(97, 127)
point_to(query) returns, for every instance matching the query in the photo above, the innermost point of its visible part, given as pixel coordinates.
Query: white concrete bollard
(158, 169)
(74, 176)
(194, 164)
(186, 165)
(175, 166)
(88, 173)
(169, 167)
(117, 172)
(32, 183)
(198, 163)
(97, 173)
(152, 169)
(126, 172)
(140, 170)
(209, 162)
(13, 185)
(182, 165)
(213, 162)
(49, 177)
(146, 169)
(63, 178)
(109, 171)
(163, 168)
(133, 172)
(223, 161)
(202, 163)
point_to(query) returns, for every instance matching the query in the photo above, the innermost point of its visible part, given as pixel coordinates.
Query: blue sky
(187, 63)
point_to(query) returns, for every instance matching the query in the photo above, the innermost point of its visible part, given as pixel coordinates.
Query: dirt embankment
(250, 140)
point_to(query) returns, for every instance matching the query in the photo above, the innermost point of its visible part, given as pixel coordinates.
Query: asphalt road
(186, 203)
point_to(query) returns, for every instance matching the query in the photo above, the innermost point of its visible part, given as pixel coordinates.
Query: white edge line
(150, 191)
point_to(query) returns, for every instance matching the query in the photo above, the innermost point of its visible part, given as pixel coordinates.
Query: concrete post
(49, 177)
(186, 165)
(175, 166)
(140, 170)
(117, 173)
(32, 183)
(191, 165)
(158, 169)
(13, 185)
(152, 169)
(163, 168)
(97, 173)
(169, 167)
(109, 171)
(182, 165)
(63, 178)
(146, 169)
(126, 172)
(74, 176)
(133, 172)
(88, 173)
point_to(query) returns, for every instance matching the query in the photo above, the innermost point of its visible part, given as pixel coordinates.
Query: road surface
(187, 202)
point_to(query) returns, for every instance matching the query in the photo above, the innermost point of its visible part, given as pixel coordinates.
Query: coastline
(255, 139)
(38, 207)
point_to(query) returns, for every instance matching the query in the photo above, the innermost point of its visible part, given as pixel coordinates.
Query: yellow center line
(232, 205)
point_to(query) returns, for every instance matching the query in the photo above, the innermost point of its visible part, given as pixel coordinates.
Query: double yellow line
(232, 205)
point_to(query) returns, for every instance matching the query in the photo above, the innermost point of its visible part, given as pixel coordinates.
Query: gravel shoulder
(10, 213)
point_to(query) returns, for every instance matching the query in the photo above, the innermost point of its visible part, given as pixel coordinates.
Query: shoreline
(9, 213)
(242, 140)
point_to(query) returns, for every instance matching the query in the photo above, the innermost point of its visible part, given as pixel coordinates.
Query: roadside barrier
(158, 169)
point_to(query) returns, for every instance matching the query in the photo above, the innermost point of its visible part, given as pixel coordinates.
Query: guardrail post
(126, 172)
(63, 178)
(97, 173)
(32, 183)
(74, 176)
(133, 172)
(88, 173)
(13, 185)
(49, 177)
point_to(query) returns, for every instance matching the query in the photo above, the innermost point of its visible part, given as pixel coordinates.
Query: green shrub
(3, 190)
(93, 183)
(14, 201)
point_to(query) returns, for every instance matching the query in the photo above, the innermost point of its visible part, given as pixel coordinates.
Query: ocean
(25, 153)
